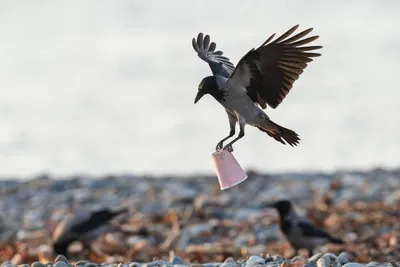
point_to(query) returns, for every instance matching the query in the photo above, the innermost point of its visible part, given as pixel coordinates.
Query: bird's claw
(219, 146)
(229, 148)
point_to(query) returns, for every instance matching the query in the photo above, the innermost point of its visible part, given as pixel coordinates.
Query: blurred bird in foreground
(300, 232)
(84, 226)
(264, 76)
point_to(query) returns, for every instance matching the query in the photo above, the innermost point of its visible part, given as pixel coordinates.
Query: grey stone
(7, 264)
(343, 258)
(81, 262)
(324, 261)
(37, 264)
(60, 264)
(177, 261)
(61, 258)
(255, 261)
(353, 264)
(315, 257)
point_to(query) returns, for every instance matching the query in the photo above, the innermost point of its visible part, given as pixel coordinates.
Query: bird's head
(208, 85)
(284, 207)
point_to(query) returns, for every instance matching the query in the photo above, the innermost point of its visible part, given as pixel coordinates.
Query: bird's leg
(232, 123)
(241, 134)
(231, 133)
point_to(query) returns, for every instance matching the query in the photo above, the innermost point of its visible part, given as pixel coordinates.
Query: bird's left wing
(219, 64)
(268, 72)
(310, 230)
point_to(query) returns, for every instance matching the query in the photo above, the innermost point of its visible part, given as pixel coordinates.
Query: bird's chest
(241, 105)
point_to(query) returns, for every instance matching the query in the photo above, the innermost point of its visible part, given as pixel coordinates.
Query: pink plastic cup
(228, 170)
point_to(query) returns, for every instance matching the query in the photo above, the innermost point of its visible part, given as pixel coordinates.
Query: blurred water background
(108, 86)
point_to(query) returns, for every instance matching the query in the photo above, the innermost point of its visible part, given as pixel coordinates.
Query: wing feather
(219, 64)
(272, 68)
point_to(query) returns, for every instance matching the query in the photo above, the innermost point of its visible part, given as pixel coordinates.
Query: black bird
(264, 76)
(300, 232)
(83, 226)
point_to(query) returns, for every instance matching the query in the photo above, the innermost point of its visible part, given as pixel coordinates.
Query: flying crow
(300, 232)
(83, 226)
(264, 76)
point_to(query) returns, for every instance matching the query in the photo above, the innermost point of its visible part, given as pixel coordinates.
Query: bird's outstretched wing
(219, 64)
(268, 72)
(310, 230)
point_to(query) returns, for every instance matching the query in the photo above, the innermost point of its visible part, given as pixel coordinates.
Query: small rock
(295, 258)
(331, 256)
(80, 262)
(177, 261)
(135, 264)
(212, 264)
(310, 264)
(61, 264)
(324, 261)
(315, 257)
(61, 258)
(37, 264)
(255, 261)
(353, 264)
(158, 263)
(88, 264)
(343, 258)
(372, 264)
(7, 264)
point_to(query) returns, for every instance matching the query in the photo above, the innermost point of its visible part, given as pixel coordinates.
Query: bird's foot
(229, 148)
(219, 146)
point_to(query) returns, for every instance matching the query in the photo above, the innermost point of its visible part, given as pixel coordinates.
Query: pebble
(324, 261)
(81, 262)
(254, 261)
(315, 257)
(38, 264)
(61, 258)
(343, 258)
(177, 261)
(7, 264)
(61, 264)
(353, 264)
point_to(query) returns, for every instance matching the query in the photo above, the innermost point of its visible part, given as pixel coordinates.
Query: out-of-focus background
(108, 86)
(96, 112)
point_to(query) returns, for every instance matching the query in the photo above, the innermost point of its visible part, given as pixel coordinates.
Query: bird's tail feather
(280, 133)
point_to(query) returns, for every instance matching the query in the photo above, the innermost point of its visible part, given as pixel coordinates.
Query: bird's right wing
(219, 64)
(268, 72)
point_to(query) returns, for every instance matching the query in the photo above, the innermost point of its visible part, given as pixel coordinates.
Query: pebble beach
(189, 221)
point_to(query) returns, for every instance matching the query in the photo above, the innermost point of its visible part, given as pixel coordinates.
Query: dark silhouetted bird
(300, 232)
(264, 76)
(83, 226)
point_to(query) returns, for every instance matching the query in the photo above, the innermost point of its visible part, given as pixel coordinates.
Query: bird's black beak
(198, 96)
